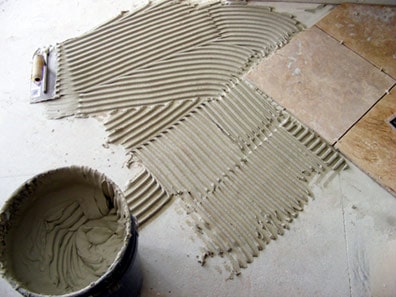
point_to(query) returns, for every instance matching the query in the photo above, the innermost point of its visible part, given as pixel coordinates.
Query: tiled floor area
(332, 74)
(368, 30)
(343, 244)
(371, 142)
(323, 83)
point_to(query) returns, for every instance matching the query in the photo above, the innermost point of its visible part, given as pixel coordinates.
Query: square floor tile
(369, 30)
(371, 143)
(323, 83)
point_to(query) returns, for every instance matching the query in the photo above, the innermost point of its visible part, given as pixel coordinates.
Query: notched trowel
(42, 86)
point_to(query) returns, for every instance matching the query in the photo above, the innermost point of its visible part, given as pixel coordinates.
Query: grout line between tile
(335, 141)
(364, 114)
(364, 58)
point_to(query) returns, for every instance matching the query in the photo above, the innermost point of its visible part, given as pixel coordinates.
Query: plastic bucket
(68, 232)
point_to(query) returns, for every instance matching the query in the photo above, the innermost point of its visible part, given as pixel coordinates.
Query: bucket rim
(129, 238)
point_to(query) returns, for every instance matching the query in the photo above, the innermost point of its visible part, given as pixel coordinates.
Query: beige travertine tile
(369, 30)
(323, 83)
(371, 143)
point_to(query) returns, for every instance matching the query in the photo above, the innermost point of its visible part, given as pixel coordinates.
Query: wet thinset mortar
(69, 232)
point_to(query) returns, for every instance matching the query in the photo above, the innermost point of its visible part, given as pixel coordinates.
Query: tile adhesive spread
(170, 76)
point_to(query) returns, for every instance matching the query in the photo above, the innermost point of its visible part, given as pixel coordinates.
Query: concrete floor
(343, 244)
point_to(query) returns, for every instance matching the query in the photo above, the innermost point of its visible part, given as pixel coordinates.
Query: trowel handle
(37, 68)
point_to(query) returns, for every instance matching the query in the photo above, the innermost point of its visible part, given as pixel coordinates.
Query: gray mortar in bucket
(69, 232)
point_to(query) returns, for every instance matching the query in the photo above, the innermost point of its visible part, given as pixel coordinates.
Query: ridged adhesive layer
(243, 167)
(169, 75)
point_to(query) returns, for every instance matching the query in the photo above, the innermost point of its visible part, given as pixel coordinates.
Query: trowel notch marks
(170, 74)
(219, 180)
(159, 32)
